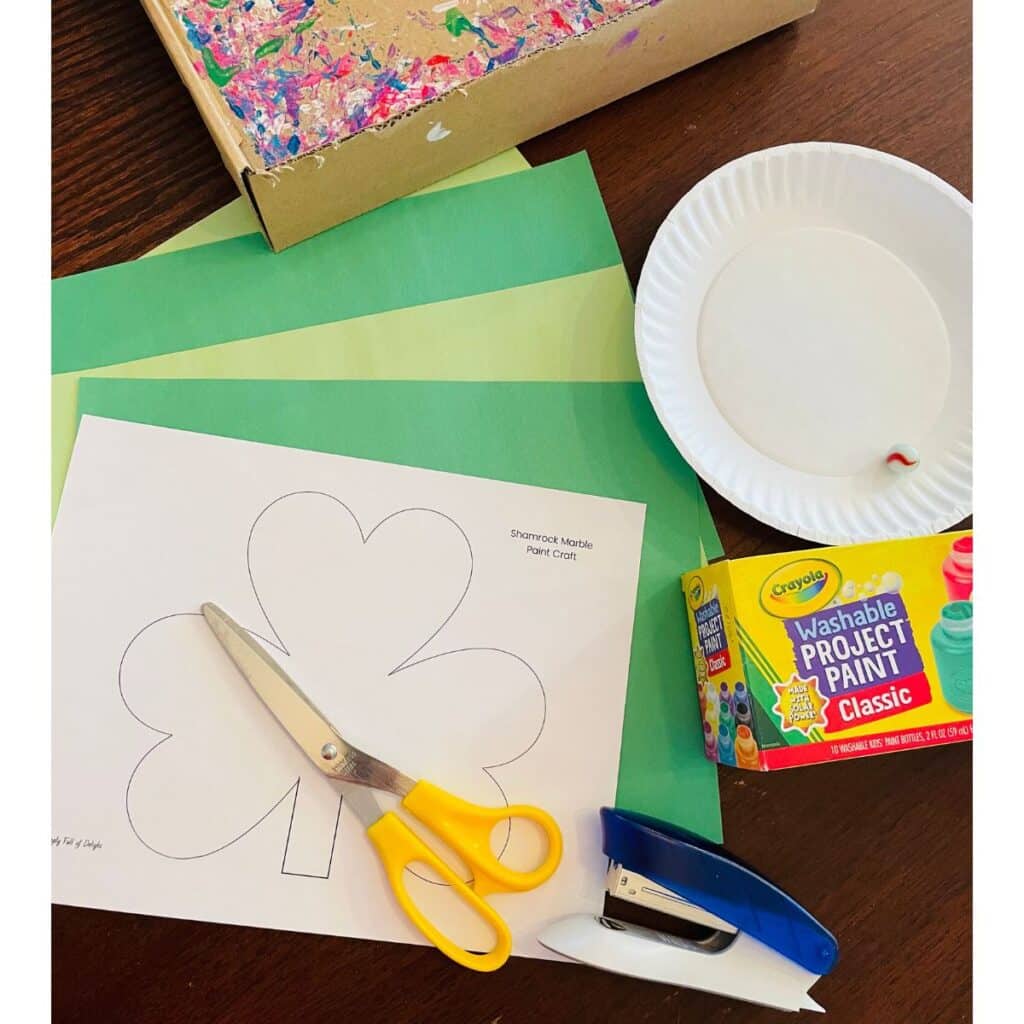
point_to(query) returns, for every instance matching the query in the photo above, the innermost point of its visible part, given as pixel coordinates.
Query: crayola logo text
(800, 588)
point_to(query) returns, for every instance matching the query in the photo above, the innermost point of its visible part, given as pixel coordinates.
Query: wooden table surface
(879, 848)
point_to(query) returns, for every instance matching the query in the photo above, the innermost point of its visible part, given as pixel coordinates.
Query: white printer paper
(470, 632)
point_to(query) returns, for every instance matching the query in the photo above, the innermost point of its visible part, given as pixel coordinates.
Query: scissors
(465, 827)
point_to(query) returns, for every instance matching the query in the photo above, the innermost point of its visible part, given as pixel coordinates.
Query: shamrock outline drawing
(277, 645)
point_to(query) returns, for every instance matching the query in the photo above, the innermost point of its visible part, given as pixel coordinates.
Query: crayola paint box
(834, 653)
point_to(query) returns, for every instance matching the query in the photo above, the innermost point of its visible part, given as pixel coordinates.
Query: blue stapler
(756, 942)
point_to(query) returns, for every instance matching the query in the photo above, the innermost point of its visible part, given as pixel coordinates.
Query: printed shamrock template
(358, 617)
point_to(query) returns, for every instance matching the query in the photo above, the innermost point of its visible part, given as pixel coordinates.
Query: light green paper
(594, 438)
(230, 221)
(237, 219)
(570, 328)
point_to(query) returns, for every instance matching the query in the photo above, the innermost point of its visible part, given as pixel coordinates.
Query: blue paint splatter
(368, 58)
(506, 56)
(196, 34)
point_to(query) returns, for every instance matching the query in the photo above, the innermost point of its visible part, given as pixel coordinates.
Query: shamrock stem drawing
(355, 616)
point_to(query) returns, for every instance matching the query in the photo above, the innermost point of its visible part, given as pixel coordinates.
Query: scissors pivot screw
(328, 751)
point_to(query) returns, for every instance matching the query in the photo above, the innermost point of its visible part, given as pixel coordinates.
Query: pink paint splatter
(302, 74)
(559, 22)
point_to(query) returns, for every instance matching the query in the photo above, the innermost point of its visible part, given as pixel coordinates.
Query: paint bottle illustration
(725, 695)
(953, 647)
(726, 718)
(958, 569)
(710, 742)
(743, 716)
(740, 696)
(711, 714)
(726, 749)
(746, 748)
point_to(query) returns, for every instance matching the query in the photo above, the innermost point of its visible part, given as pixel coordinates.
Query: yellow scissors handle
(467, 829)
(399, 847)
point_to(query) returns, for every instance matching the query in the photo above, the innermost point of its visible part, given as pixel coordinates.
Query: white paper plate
(802, 310)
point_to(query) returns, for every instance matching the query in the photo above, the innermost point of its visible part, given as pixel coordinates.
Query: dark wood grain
(878, 848)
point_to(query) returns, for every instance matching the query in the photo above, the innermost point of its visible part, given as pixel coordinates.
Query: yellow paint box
(834, 653)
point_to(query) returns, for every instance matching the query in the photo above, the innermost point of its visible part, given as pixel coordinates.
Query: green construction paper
(333, 350)
(237, 218)
(570, 328)
(509, 231)
(594, 438)
(576, 327)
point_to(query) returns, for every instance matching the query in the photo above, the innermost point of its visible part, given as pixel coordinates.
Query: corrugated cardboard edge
(210, 103)
(526, 98)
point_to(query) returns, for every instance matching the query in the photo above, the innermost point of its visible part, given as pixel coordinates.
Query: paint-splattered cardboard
(323, 109)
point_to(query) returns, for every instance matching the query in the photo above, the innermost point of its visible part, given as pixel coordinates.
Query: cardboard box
(322, 111)
(834, 653)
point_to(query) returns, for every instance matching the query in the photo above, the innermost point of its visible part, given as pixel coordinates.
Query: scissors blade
(362, 803)
(297, 714)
